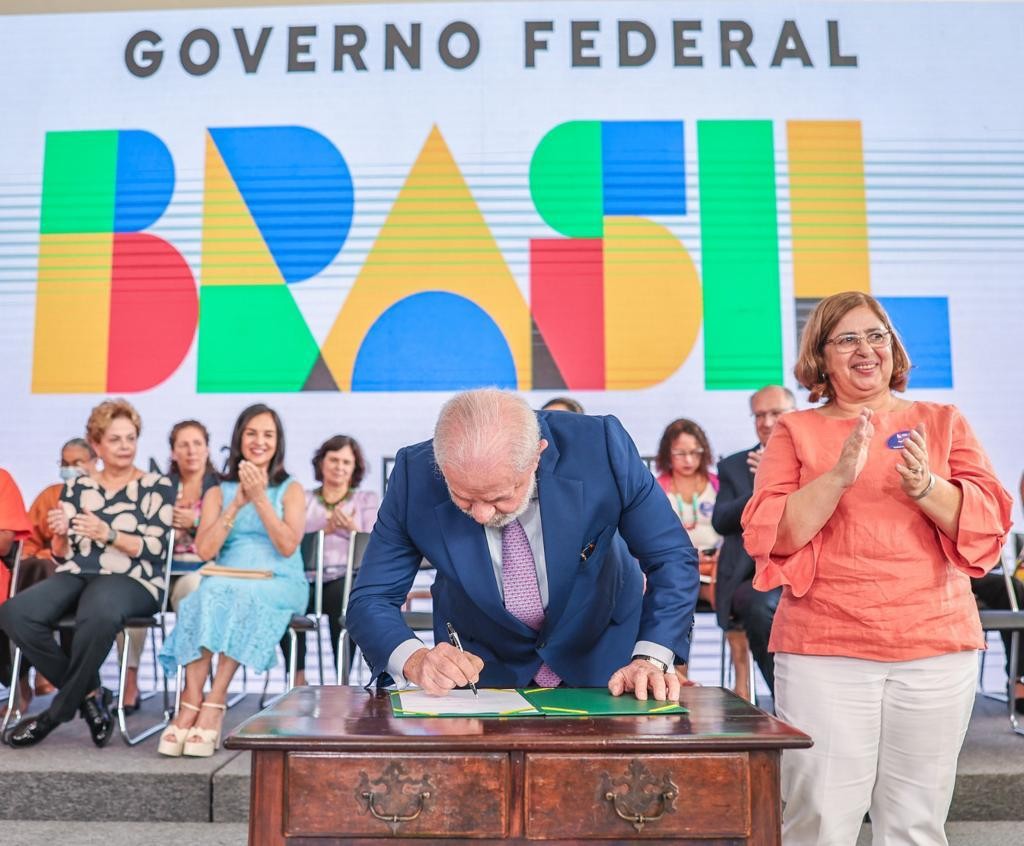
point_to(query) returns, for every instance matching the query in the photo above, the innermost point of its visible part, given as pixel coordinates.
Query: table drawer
(425, 795)
(653, 796)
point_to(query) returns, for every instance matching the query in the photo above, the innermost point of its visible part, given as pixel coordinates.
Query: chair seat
(300, 622)
(1002, 621)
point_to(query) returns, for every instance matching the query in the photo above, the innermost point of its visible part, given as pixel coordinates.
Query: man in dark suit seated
(526, 517)
(735, 597)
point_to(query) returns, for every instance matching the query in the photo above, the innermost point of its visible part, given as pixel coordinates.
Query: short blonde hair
(106, 413)
(810, 362)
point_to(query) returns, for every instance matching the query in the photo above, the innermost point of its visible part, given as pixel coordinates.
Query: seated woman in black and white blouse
(111, 530)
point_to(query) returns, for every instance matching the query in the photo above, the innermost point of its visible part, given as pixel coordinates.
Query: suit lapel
(471, 560)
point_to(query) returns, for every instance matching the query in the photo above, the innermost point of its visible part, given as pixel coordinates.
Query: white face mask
(67, 473)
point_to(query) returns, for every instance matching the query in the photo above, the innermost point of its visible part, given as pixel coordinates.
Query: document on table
(492, 702)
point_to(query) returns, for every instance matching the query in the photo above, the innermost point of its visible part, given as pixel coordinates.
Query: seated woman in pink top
(872, 512)
(339, 509)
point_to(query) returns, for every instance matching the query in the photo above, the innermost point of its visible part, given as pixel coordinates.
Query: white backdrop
(936, 91)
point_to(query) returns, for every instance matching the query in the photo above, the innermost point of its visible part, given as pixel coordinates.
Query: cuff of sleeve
(662, 653)
(396, 662)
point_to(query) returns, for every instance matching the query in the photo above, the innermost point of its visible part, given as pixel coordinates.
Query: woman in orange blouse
(872, 512)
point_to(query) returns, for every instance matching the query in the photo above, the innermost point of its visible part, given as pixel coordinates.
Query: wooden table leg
(766, 809)
(266, 799)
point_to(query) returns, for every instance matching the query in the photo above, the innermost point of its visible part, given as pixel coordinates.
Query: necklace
(679, 503)
(331, 505)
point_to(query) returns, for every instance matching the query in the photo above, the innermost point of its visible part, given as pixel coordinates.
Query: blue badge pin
(896, 441)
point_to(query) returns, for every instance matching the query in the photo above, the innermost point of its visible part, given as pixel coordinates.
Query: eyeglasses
(761, 416)
(877, 338)
(684, 453)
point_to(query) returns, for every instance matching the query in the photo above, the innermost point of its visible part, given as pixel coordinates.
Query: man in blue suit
(529, 519)
(735, 597)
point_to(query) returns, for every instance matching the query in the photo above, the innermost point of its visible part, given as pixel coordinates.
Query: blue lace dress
(243, 618)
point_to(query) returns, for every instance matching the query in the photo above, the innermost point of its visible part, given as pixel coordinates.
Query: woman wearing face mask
(77, 458)
(192, 475)
(253, 521)
(110, 531)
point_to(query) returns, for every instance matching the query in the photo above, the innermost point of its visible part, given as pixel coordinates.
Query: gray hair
(80, 442)
(485, 424)
(786, 391)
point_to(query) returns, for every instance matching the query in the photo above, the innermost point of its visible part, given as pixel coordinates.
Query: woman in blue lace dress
(253, 521)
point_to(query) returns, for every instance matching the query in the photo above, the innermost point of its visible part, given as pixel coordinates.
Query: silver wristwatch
(661, 665)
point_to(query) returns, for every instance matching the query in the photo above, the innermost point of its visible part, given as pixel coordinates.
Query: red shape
(567, 301)
(153, 312)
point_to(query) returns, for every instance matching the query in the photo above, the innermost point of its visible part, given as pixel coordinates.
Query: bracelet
(229, 523)
(927, 490)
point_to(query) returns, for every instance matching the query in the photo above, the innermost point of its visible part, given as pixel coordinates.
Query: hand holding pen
(444, 667)
(453, 636)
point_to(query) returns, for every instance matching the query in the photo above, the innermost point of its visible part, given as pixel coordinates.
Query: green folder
(562, 702)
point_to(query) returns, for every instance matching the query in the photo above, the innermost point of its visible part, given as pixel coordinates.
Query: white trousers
(886, 740)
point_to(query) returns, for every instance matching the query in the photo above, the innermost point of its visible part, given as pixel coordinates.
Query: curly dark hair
(333, 444)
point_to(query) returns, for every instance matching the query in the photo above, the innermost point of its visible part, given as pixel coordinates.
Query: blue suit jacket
(593, 490)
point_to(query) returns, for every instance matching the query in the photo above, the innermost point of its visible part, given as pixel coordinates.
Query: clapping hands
(252, 482)
(854, 454)
(915, 472)
(341, 519)
(184, 518)
(57, 521)
(88, 525)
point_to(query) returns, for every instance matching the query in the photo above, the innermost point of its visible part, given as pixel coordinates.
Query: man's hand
(639, 676)
(754, 459)
(442, 668)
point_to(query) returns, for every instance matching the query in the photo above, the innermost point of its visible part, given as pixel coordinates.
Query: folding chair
(356, 548)
(1008, 621)
(312, 553)
(158, 620)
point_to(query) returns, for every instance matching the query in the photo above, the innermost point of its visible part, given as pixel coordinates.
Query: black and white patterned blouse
(143, 507)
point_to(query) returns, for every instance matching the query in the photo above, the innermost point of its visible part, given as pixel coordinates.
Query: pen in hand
(453, 636)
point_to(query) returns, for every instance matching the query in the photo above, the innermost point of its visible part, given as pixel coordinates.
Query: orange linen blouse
(879, 581)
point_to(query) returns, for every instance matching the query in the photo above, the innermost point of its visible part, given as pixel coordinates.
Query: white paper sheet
(491, 702)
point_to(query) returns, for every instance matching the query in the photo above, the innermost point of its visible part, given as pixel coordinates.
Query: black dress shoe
(132, 707)
(95, 711)
(30, 731)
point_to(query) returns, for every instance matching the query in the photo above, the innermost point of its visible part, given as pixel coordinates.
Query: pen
(453, 636)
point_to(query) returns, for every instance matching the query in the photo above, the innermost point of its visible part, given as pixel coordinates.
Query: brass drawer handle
(637, 799)
(393, 781)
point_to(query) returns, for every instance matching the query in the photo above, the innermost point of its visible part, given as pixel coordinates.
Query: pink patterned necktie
(522, 593)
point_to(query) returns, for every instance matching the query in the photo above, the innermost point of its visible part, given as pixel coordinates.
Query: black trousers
(756, 610)
(990, 589)
(32, 571)
(100, 605)
(333, 591)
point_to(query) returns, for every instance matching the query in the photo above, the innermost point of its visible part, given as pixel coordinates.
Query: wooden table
(331, 764)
